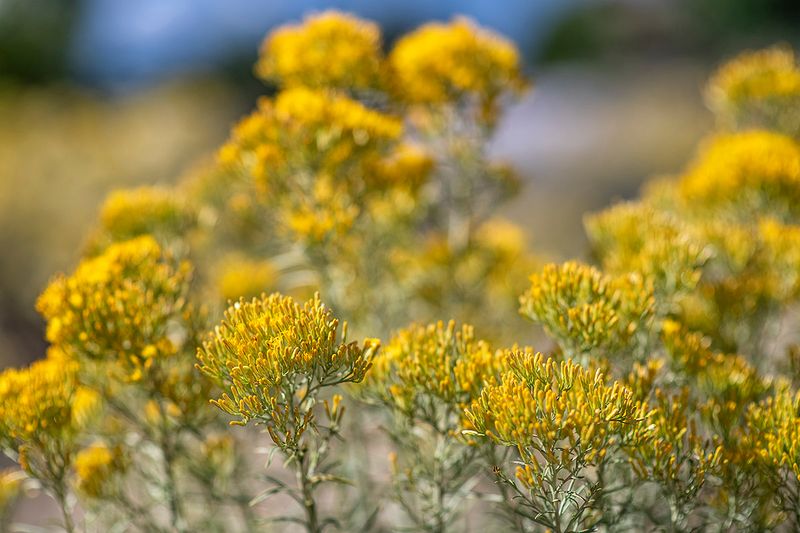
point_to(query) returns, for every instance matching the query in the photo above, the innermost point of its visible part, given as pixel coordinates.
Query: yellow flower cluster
(489, 271)
(349, 188)
(775, 428)
(132, 213)
(42, 411)
(425, 370)
(407, 166)
(677, 455)
(752, 272)
(635, 237)
(95, 469)
(444, 63)
(780, 259)
(769, 73)
(241, 277)
(119, 306)
(720, 242)
(329, 50)
(718, 413)
(311, 152)
(758, 89)
(557, 413)
(746, 173)
(270, 349)
(587, 311)
(302, 122)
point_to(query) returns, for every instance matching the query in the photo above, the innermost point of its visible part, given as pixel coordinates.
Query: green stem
(307, 490)
(171, 486)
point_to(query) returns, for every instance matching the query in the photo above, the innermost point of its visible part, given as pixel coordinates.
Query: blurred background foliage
(100, 94)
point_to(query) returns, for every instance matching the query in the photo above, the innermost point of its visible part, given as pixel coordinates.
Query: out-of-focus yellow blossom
(586, 310)
(220, 452)
(241, 277)
(95, 469)
(313, 129)
(454, 281)
(641, 380)
(746, 174)
(407, 166)
(503, 247)
(443, 63)
(758, 89)
(780, 249)
(131, 213)
(119, 306)
(43, 411)
(635, 237)
(327, 212)
(272, 348)
(502, 236)
(427, 371)
(328, 50)
(312, 154)
(772, 72)
(751, 273)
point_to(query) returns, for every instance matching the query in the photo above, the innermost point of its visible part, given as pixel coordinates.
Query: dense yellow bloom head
(329, 50)
(635, 237)
(758, 89)
(586, 310)
(774, 426)
(313, 153)
(407, 166)
(43, 409)
(146, 210)
(443, 63)
(269, 348)
(95, 469)
(301, 125)
(553, 412)
(118, 306)
(746, 174)
(437, 364)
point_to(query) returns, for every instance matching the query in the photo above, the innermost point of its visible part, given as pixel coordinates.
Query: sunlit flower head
(441, 63)
(758, 89)
(119, 306)
(328, 50)
(270, 345)
(746, 174)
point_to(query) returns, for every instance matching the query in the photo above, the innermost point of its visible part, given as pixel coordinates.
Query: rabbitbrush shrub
(367, 373)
